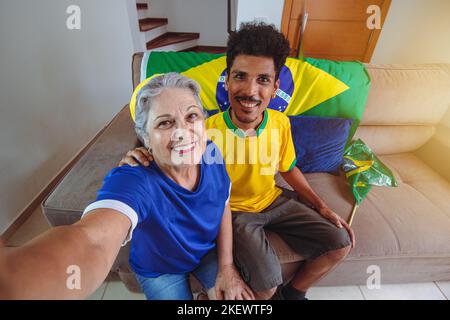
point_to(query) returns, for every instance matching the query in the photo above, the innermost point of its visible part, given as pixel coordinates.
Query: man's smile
(248, 104)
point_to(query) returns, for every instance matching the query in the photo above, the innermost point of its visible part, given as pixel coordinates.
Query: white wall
(137, 36)
(208, 17)
(58, 88)
(270, 10)
(415, 31)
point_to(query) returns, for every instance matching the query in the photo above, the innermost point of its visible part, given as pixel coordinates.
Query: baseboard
(42, 195)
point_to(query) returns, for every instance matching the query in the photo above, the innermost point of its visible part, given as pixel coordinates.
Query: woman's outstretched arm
(67, 262)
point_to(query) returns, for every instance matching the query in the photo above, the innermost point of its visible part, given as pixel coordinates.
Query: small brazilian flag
(308, 86)
(364, 170)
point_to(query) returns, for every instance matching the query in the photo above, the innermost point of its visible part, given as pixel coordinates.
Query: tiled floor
(113, 289)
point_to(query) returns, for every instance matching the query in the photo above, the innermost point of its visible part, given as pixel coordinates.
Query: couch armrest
(78, 188)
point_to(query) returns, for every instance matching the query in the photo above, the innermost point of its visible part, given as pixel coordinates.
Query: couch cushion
(403, 106)
(404, 230)
(319, 142)
(394, 139)
(406, 95)
(412, 220)
(436, 152)
(412, 171)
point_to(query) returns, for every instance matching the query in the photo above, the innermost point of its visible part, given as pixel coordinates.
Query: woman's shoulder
(138, 174)
(126, 178)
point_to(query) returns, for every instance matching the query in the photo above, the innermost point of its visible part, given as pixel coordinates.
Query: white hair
(153, 89)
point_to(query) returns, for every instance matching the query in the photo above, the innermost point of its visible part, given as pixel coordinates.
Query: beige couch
(404, 231)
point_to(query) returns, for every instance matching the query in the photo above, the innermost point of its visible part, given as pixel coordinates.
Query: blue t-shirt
(172, 227)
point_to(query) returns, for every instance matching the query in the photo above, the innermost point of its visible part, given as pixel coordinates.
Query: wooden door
(335, 30)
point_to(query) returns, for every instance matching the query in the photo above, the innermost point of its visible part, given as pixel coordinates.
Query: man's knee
(265, 294)
(339, 239)
(338, 254)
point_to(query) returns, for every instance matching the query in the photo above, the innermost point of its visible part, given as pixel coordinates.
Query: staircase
(158, 38)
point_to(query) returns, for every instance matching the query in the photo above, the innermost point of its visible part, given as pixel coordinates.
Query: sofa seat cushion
(412, 220)
(411, 170)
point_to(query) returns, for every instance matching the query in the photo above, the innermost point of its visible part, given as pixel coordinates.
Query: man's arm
(298, 182)
(49, 266)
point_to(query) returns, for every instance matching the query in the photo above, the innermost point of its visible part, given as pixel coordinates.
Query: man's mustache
(247, 99)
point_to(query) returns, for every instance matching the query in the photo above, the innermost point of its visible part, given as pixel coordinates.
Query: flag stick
(353, 214)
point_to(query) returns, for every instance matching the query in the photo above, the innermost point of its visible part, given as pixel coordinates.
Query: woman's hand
(136, 157)
(230, 286)
(338, 221)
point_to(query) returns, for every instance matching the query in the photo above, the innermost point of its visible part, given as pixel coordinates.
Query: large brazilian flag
(307, 86)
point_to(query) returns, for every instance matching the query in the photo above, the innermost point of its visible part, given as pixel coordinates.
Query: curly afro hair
(258, 39)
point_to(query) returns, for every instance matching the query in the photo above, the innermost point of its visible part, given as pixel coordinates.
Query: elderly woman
(176, 211)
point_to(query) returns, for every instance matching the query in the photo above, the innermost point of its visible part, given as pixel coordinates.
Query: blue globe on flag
(279, 103)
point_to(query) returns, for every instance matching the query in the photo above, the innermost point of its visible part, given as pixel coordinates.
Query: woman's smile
(184, 148)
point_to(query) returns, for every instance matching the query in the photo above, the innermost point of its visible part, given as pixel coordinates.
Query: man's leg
(313, 270)
(318, 240)
(253, 255)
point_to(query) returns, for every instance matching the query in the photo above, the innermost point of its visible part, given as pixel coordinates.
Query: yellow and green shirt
(253, 158)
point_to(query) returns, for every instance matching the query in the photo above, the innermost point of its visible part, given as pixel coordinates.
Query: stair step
(171, 38)
(207, 49)
(142, 6)
(151, 23)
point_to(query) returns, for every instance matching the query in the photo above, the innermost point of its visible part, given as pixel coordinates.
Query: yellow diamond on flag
(207, 74)
(312, 86)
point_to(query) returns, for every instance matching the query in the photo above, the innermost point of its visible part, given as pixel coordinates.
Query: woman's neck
(185, 176)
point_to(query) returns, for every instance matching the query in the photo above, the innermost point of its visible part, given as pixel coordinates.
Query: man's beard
(245, 120)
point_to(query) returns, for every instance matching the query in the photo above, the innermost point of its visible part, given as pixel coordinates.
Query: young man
(255, 56)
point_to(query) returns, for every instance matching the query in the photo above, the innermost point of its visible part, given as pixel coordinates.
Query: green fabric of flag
(364, 170)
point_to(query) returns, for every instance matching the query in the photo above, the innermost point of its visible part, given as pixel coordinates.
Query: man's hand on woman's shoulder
(138, 156)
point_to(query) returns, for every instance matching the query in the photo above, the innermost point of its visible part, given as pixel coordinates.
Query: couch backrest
(404, 105)
(136, 68)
